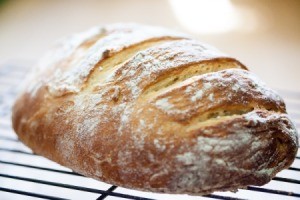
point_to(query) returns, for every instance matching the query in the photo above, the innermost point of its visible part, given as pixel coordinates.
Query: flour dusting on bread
(151, 109)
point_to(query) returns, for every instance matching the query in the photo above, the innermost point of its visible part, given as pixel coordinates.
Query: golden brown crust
(155, 111)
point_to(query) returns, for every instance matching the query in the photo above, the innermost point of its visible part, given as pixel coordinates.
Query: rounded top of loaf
(152, 109)
(68, 65)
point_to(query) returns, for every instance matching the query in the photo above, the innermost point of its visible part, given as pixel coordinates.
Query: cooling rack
(24, 175)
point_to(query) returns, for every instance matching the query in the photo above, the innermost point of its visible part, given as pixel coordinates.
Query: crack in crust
(149, 109)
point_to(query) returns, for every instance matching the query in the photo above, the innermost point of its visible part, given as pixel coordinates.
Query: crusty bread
(150, 109)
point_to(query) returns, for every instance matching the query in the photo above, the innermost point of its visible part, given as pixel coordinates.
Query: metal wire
(41, 196)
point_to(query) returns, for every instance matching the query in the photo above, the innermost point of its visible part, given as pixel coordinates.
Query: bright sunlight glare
(205, 16)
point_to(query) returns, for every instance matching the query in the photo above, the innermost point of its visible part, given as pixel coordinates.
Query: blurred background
(262, 34)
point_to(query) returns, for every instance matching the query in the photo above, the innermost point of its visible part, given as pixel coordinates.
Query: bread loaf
(151, 109)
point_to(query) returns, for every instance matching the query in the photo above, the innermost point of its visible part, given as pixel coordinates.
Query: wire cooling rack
(24, 175)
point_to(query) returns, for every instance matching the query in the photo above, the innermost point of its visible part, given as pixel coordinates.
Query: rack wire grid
(24, 175)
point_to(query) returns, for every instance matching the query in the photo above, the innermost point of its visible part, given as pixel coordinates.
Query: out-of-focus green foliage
(2, 2)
